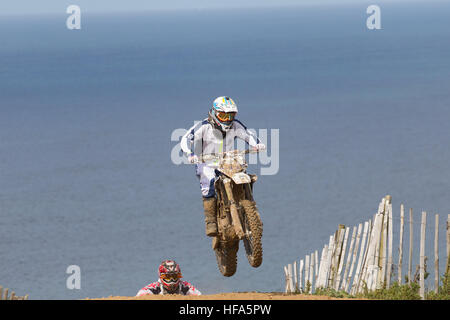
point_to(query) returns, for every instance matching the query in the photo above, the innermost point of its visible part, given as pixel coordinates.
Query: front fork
(248, 187)
(233, 209)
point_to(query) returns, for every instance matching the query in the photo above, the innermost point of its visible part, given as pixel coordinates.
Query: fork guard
(233, 209)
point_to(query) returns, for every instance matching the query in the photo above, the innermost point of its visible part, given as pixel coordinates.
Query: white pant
(207, 177)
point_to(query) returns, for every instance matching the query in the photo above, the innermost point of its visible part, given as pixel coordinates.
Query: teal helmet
(222, 112)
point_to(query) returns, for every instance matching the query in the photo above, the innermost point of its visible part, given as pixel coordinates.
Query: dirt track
(228, 296)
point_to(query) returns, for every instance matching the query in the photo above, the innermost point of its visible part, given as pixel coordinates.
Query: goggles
(225, 116)
(169, 277)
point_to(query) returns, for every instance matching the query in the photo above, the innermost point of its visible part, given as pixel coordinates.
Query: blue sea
(86, 118)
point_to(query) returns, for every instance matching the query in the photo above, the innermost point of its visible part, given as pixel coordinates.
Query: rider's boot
(209, 206)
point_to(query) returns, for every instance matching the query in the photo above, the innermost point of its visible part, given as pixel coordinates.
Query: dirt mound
(228, 296)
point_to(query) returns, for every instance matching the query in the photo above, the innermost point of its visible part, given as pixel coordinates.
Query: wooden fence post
(316, 256)
(400, 246)
(372, 254)
(447, 267)
(354, 257)
(436, 253)
(339, 238)
(307, 265)
(342, 258)
(381, 270)
(323, 258)
(367, 258)
(349, 258)
(300, 281)
(291, 283)
(355, 285)
(411, 229)
(422, 255)
(286, 280)
(329, 261)
(5, 295)
(295, 277)
(381, 253)
(390, 237)
(371, 267)
(331, 272)
(311, 272)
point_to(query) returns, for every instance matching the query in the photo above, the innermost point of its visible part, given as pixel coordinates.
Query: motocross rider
(169, 282)
(215, 134)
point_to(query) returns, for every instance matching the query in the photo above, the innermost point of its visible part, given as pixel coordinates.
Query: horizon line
(324, 3)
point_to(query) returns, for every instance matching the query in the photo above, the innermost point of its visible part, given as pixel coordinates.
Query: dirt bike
(237, 215)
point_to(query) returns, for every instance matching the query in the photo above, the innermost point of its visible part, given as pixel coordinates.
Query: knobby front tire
(253, 227)
(227, 258)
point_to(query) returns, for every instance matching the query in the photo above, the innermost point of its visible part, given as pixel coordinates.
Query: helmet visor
(171, 277)
(225, 116)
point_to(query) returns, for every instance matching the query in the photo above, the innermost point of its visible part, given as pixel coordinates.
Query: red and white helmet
(170, 275)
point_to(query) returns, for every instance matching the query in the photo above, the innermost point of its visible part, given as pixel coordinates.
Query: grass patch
(443, 290)
(396, 291)
(333, 293)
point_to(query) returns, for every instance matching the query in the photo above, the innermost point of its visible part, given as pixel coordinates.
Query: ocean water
(86, 118)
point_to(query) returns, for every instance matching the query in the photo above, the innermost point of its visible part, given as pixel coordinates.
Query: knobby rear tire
(253, 225)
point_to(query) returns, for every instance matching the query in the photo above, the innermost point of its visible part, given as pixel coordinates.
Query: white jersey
(205, 138)
(185, 288)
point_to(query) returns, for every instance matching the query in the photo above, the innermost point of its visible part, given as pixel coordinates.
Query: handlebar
(215, 156)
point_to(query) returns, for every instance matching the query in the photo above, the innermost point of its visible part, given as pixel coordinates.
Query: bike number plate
(240, 178)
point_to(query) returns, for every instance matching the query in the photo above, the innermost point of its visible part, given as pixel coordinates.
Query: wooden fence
(364, 260)
(4, 295)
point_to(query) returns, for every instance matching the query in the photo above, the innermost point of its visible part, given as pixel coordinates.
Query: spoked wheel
(226, 256)
(253, 228)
